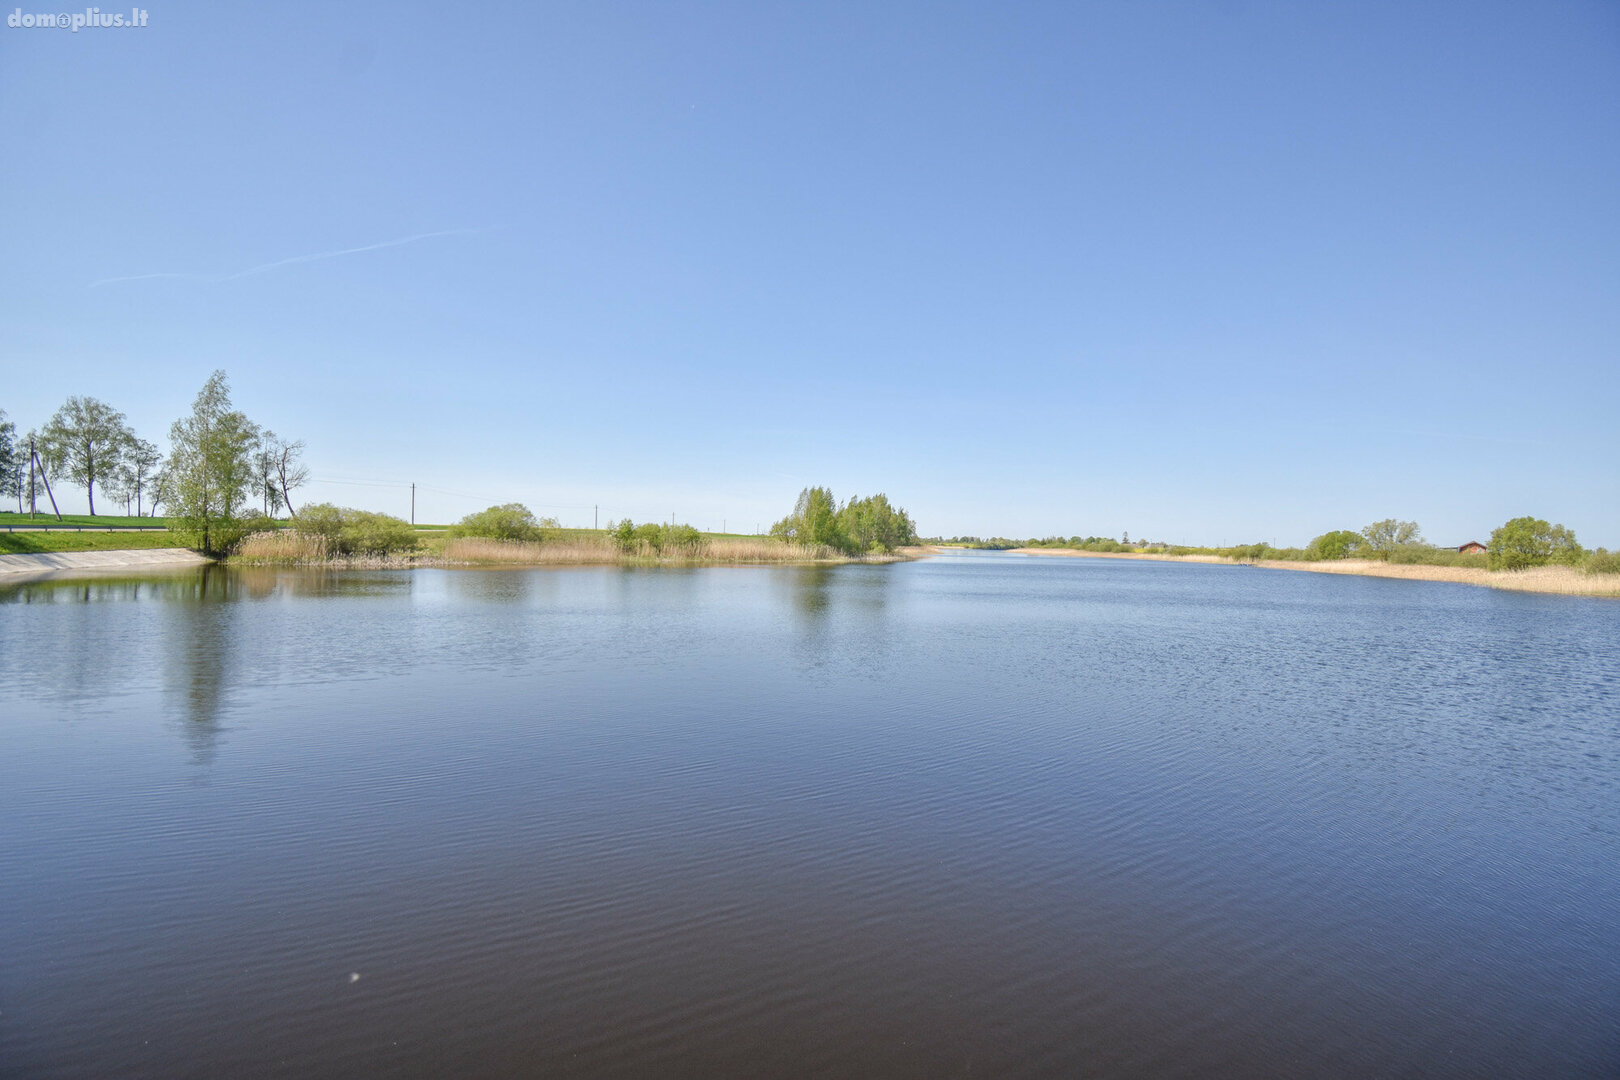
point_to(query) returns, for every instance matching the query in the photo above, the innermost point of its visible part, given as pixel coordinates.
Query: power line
(442, 491)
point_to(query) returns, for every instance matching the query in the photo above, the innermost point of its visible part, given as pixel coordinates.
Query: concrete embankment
(60, 562)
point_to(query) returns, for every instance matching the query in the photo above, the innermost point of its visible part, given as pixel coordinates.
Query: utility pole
(413, 502)
(33, 462)
(596, 518)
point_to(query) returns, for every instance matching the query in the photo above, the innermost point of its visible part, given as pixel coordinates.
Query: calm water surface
(982, 815)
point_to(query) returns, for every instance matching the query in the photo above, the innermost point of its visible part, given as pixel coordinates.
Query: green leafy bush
(509, 521)
(366, 533)
(1425, 555)
(651, 538)
(1602, 561)
(1340, 544)
(347, 531)
(225, 535)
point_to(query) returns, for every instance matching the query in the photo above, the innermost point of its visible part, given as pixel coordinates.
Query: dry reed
(1565, 580)
(597, 551)
(282, 546)
(289, 548)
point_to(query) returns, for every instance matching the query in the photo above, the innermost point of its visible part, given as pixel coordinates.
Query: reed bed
(281, 546)
(595, 551)
(288, 548)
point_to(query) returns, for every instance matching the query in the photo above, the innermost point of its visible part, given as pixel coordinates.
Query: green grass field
(69, 521)
(36, 543)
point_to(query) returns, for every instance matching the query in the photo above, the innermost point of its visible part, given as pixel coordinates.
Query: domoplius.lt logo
(88, 19)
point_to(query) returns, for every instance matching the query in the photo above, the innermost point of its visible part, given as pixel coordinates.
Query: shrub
(1425, 555)
(1602, 561)
(346, 531)
(652, 538)
(365, 533)
(1340, 544)
(321, 520)
(1249, 552)
(509, 521)
(225, 535)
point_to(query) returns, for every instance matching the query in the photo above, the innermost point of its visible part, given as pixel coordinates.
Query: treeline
(1104, 544)
(856, 527)
(219, 464)
(323, 531)
(1518, 544)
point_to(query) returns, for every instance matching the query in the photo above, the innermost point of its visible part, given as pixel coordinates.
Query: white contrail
(314, 257)
(137, 277)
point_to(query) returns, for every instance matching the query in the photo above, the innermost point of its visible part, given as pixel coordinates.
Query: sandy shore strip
(1563, 580)
(60, 562)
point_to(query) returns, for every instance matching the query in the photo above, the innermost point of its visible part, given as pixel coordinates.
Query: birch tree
(86, 441)
(210, 472)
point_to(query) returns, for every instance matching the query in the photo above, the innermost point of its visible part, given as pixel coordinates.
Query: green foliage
(814, 520)
(651, 538)
(86, 440)
(1340, 544)
(1427, 555)
(10, 460)
(1102, 544)
(874, 525)
(1385, 536)
(861, 525)
(135, 472)
(1528, 541)
(347, 531)
(209, 474)
(509, 521)
(1250, 552)
(1602, 561)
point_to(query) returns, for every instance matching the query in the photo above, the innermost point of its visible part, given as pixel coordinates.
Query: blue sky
(1208, 272)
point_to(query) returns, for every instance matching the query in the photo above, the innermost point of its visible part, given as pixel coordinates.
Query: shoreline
(116, 560)
(15, 566)
(1555, 580)
(285, 550)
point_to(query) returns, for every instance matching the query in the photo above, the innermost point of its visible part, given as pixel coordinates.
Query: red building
(1473, 547)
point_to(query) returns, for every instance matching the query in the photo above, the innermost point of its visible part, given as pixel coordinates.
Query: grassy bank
(9, 520)
(41, 543)
(574, 548)
(1564, 580)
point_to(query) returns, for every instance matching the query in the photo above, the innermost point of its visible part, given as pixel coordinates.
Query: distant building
(1473, 547)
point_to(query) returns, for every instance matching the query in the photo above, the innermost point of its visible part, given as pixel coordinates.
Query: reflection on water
(979, 814)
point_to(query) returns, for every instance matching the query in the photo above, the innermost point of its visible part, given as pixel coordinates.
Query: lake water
(980, 815)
